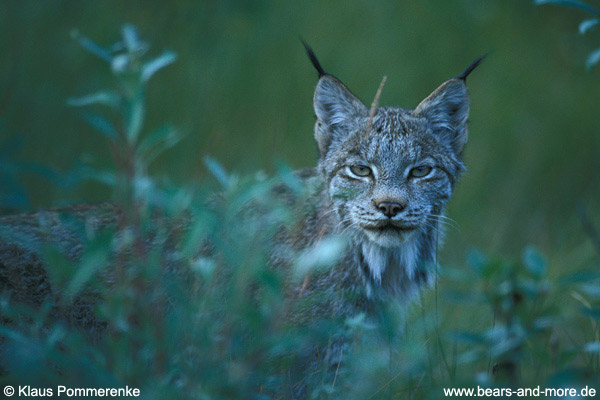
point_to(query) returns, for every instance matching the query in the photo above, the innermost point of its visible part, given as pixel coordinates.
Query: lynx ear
(447, 110)
(338, 111)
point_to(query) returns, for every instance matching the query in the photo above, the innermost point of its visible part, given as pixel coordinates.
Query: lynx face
(391, 184)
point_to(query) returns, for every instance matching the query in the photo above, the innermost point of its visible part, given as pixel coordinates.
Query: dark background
(241, 91)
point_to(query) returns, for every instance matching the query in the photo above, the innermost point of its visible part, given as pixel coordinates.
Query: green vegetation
(522, 310)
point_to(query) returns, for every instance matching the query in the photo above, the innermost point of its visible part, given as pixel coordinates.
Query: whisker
(447, 221)
(446, 218)
(327, 213)
(434, 224)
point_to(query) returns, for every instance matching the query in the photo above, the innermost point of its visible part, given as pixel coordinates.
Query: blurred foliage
(241, 91)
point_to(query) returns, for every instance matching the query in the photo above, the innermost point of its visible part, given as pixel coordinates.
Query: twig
(336, 375)
(374, 105)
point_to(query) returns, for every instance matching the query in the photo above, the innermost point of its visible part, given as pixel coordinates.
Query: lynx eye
(360, 170)
(419, 172)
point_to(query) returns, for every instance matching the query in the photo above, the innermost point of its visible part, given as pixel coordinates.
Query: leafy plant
(585, 26)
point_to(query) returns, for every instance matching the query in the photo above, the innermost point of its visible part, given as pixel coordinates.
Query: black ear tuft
(313, 59)
(470, 68)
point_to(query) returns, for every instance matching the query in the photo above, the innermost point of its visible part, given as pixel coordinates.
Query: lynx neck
(397, 271)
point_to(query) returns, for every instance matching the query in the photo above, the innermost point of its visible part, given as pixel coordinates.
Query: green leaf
(102, 125)
(580, 5)
(130, 36)
(469, 357)
(591, 289)
(132, 41)
(204, 266)
(534, 262)
(157, 142)
(217, 170)
(359, 322)
(592, 59)
(110, 99)
(547, 322)
(135, 117)
(91, 46)
(323, 254)
(90, 265)
(120, 63)
(289, 178)
(152, 67)
(588, 24)
(105, 177)
(592, 347)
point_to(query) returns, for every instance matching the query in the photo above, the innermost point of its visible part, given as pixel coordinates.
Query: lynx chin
(383, 179)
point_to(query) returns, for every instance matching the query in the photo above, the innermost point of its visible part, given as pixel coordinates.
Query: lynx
(382, 181)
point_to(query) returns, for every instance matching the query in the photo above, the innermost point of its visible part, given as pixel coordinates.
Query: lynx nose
(390, 209)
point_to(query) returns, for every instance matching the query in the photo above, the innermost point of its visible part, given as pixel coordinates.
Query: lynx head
(391, 183)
